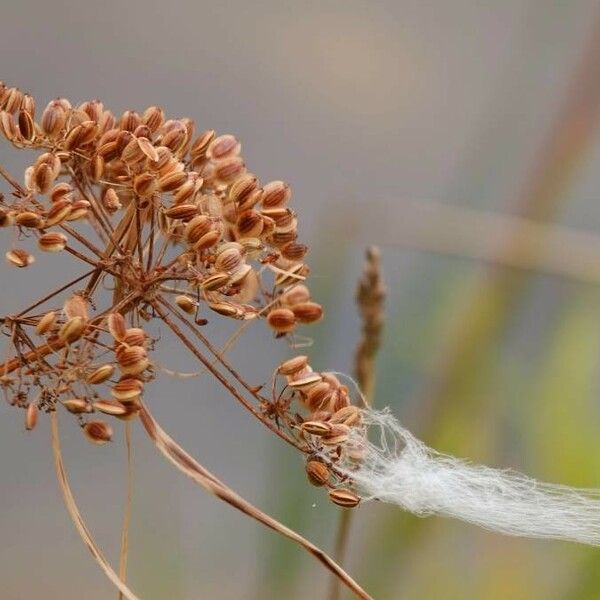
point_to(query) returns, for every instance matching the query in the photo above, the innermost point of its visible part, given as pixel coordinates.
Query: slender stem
(127, 511)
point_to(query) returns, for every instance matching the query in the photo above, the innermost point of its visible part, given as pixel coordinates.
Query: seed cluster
(176, 226)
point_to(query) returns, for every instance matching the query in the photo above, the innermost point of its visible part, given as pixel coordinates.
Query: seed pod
(308, 312)
(26, 126)
(318, 396)
(242, 187)
(172, 181)
(132, 359)
(276, 193)
(53, 241)
(293, 251)
(77, 405)
(130, 120)
(76, 306)
(214, 282)
(98, 432)
(306, 382)
(202, 142)
(54, 119)
(348, 415)
(229, 169)
(101, 374)
(282, 320)
(132, 410)
(61, 191)
(31, 415)
(317, 472)
(46, 323)
(175, 136)
(127, 390)
(344, 498)
(250, 224)
(337, 435)
(153, 118)
(186, 304)
(196, 228)
(207, 240)
(317, 428)
(110, 200)
(185, 212)
(58, 212)
(43, 177)
(226, 309)
(293, 365)
(134, 336)
(79, 209)
(116, 326)
(28, 219)
(110, 407)
(145, 184)
(19, 258)
(229, 257)
(223, 147)
(72, 330)
(12, 99)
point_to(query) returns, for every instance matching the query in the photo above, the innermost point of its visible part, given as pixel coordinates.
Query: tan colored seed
(229, 258)
(348, 415)
(53, 241)
(110, 200)
(26, 125)
(207, 240)
(317, 472)
(58, 212)
(318, 397)
(101, 374)
(98, 432)
(153, 118)
(223, 147)
(31, 415)
(282, 320)
(276, 193)
(110, 407)
(229, 169)
(250, 224)
(338, 435)
(77, 405)
(19, 258)
(186, 304)
(293, 365)
(145, 184)
(227, 309)
(201, 144)
(132, 359)
(172, 181)
(76, 306)
(317, 428)
(243, 187)
(308, 312)
(214, 282)
(127, 390)
(185, 212)
(28, 219)
(116, 325)
(54, 119)
(134, 336)
(72, 330)
(294, 251)
(304, 384)
(196, 228)
(46, 323)
(344, 498)
(79, 209)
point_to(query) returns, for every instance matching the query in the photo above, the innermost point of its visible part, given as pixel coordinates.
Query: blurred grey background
(381, 115)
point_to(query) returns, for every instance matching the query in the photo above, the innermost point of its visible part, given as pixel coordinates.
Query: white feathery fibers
(400, 469)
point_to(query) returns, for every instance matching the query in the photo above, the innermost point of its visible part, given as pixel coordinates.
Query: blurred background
(462, 139)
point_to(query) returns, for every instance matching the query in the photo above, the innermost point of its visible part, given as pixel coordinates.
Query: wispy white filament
(400, 469)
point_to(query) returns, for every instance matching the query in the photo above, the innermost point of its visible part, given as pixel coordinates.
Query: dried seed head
(72, 330)
(53, 241)
(31, 415)
(223, 146)
(344, 498)
(282, 320)
(276, 193)
(293, 365)
(77, 405)
(186, 303)
(308, 312)
(19, 258)
(98, 432)
(127, 390)
(46, 323)
(110, 407)
(28, 219)
(116, 325)
(100, 374)
(317, 472)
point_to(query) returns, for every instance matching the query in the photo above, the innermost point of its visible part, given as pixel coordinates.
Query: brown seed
(58, 212)
(338, 435)
(132, 359)
(308, 312)
(196, 228)
(54, 119)
(110, 407)
(227, 309)
(127, 390)
(214, 282)
(53, 241)
(344, 498)
(318, 396)
(43, 176)
(184, 212)
(223, 147)
(250, 224)
(145, 184)
(98, 432)
(12, 99)
(293, 251)
(134, 336)
(28, 219)
(293, 365)
(229, 169)
(153, 118)
(147, 148)
(132, 410)
(229, 257)
(6, 218)
(348, 415)
(19, 258)
(186, 304)
(116, 325)
(46, 323)
(130, 120)
(317, 428)
(176, 135)
(110, 200)
(26, 126)
(276, 193)
(282, 238)
(295, 295)
(61, 191)
(9, 127)
(101, 374)
(77, 405)
(172, 181)
(189, 189)
(79, 209)
(97, 164)
(242, 187)
(305, 383)
(317, 472)
(281, 320)
(240, 276)
(207, 240)
(201, 144)
(76, 305)
(72, 330)
(31, 415)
